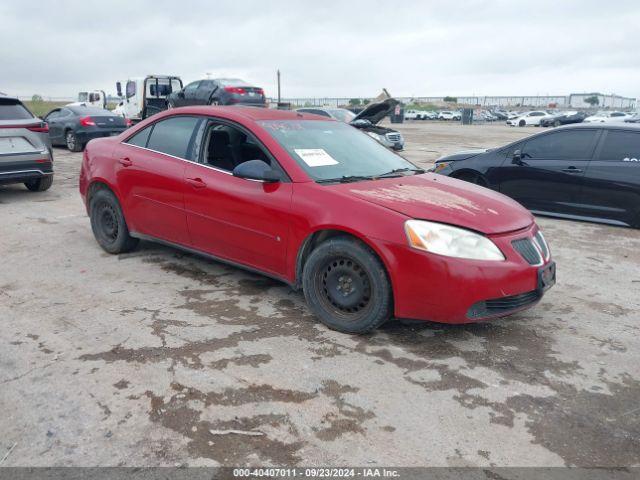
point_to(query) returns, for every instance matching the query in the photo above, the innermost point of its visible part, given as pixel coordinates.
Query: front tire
(73, 144)
(39, 184)
(346, 286)
(108, 223)
(522, 123)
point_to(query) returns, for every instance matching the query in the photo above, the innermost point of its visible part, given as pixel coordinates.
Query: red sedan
(321, 206)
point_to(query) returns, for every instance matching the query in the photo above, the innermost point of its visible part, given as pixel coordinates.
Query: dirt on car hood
(446, 200)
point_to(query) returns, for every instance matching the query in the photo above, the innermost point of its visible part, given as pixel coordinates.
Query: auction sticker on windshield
(315, 157)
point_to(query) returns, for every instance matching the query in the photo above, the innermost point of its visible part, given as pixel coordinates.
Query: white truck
(95, 98)
(144, 96)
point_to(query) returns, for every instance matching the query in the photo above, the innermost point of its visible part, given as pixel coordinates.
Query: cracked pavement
(143, 359)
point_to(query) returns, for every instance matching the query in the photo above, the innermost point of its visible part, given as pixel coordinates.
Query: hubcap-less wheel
(344, 287)
(107, 221)
(522, 123)
(71, 141)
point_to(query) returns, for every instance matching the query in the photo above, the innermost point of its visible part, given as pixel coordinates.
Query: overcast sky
(327, 48)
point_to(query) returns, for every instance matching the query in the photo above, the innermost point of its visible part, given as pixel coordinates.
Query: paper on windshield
(315, 157)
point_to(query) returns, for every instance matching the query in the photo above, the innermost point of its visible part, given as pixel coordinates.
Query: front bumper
(451, 290)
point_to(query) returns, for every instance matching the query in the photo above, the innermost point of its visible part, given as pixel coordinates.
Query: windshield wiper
(345, 179)
(394, 173)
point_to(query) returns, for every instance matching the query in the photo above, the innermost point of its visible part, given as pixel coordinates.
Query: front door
(240, 220)
(549, 174)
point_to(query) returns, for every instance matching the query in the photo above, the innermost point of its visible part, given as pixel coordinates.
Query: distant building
(577, 100)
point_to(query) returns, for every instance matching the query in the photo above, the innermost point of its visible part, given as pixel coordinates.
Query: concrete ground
(143, 359)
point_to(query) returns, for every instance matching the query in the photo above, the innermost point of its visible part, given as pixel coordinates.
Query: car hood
(463, 155)
(375, 112)
(446, 200)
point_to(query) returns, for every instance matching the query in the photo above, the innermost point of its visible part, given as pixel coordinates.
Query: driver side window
(192, 86)
(225, 147)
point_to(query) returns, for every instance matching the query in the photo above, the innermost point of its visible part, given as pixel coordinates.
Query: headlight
(375, 136)
(441, 166)
(450, 241)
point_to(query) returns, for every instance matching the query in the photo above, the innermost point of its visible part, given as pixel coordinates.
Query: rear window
(96, 112)
(174, 136)
(232, 82)
(13, 110)
(621, 145)
(140, 139)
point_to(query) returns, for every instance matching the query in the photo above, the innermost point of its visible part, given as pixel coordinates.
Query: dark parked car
(218, 91)
(25, 149)
(563, 118)
(74, 126)
(367, 120)
(584, 172)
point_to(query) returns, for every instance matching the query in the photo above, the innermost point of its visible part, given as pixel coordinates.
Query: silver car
(25, 148)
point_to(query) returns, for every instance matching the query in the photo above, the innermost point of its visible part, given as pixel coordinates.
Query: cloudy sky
(327, 48)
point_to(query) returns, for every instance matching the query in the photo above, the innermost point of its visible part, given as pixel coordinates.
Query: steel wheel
(107, 222)
(344, 287)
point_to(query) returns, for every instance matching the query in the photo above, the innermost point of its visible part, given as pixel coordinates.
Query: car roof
(606, 126)
(8, 97)
(250, 113)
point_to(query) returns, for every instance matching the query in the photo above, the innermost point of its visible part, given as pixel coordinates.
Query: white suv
(449, 115)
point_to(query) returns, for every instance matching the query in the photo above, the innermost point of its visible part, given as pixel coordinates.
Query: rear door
(612, 181)
(190, 93)
(550, 174)
(55, 126)
(203, 94)
(150, 175)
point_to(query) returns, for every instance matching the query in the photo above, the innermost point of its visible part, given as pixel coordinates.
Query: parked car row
(549, 118)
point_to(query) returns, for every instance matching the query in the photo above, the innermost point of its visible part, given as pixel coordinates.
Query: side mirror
(181, 93)
(256, 170)
(361, 123)
(119, 88)
(516, 157)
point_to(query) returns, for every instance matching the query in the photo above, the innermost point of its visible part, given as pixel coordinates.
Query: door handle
(572, 170)
(196, 182)
(125, 162)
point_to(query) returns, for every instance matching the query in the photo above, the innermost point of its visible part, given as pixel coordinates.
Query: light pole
(278, 86)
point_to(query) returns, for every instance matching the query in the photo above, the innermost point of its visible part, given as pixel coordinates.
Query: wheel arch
(323, 234)
(97, 184)
(469, 171)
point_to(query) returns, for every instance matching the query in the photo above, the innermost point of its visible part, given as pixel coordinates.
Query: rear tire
(72, 142)
(346, 286)
(39, 185)
(108, 223)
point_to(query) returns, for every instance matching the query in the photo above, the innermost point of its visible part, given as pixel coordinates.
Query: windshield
(332, 150)
(341, 114)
